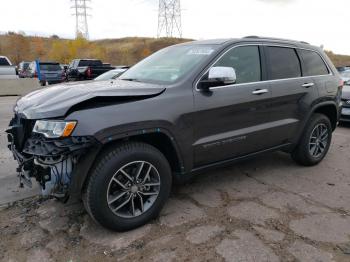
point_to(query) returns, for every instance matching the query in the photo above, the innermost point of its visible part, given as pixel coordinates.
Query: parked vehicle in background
(23, 69)
(345, 112)
(343, 68)
(50, 72)
(7, 70)
(119, 144)
(64, 66)
(112, 74)
(345, 75)
(86, 69)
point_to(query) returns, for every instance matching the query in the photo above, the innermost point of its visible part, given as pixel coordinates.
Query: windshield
(50, 67)
(169, 65)
(113, 74)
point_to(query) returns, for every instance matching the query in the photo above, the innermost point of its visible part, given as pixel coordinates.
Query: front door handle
(307, 85)
(260, 91)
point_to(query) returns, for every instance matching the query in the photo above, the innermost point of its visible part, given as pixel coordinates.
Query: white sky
(316, 21)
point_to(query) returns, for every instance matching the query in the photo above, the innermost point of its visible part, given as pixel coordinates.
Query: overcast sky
(316, 21)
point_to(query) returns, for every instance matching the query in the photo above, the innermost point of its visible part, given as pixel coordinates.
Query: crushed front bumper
(54, 163)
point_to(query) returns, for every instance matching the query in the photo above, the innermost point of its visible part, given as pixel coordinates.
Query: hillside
(123, 51)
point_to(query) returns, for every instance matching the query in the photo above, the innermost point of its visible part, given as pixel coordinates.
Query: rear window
(90, 63)
(50, 67)
(313, 63)
(3, 61)
(283, 63)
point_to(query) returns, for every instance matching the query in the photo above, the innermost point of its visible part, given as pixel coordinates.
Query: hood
(346, 92)
(55, 101)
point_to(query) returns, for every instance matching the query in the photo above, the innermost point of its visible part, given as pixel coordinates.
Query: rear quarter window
(313, 64)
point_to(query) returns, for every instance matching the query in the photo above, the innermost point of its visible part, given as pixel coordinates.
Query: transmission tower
(81, 25)
(169, 18)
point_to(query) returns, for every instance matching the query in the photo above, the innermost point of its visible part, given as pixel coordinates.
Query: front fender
(178, 140)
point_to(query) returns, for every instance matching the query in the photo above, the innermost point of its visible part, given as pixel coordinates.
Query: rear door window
(313, 64)
(245, 60)
(283, 63)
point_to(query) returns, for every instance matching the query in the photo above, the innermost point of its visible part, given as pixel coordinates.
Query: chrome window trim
(263, 81)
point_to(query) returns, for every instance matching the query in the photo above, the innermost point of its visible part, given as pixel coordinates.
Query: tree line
(124, 51)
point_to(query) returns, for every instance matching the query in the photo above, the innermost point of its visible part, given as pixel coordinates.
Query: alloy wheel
(318, 140)
(133, 189)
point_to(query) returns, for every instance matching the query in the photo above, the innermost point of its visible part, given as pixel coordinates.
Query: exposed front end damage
(51, 161)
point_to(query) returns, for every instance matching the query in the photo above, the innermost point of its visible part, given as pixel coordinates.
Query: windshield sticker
(200, 51)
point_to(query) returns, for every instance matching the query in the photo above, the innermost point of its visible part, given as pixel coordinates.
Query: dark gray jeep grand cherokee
(118, 144)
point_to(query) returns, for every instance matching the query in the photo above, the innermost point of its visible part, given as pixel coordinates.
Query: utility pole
(169, 18)
(80, 12)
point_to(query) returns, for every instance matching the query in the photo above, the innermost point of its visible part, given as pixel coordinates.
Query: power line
(81, 24)
(169, 18)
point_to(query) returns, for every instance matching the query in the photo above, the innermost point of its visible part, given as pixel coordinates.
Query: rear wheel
(128, 186)
(315, 141)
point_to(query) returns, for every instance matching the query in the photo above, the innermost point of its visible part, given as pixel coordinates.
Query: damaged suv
(119, 144)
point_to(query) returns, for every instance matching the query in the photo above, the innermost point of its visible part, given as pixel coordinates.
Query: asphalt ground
(263, 209)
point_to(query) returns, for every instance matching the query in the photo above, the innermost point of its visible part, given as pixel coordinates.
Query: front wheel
(128, 187)
(315, 141)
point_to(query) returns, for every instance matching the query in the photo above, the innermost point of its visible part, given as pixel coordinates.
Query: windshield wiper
(131, 79)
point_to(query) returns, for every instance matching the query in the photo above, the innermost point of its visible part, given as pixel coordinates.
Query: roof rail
(274, 38)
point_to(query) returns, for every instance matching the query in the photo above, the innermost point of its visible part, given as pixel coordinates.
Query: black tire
(43, 83)
(302, 154)
(96, 190)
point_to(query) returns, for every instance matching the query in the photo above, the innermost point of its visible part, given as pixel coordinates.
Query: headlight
(54, 129)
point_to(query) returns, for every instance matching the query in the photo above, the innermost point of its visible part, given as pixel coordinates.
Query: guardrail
(18, 87)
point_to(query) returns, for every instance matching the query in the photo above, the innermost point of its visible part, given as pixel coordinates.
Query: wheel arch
(160, 139)
(329, 110)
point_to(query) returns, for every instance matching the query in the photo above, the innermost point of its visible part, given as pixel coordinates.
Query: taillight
(341, 84)
(35, 74)
(88, 72)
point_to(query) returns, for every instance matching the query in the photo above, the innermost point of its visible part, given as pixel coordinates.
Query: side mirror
(219, 76)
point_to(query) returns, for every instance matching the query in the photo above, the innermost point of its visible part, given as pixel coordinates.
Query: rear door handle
(260, 91)
(307, 85)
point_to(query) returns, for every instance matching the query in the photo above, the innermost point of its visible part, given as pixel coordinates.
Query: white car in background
(7, 70)
(345, 75)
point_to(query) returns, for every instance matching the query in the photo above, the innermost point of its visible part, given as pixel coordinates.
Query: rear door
(292, 93)
(315, 67)
(233, 120)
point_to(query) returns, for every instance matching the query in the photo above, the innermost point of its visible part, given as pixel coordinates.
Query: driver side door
(233, 120)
